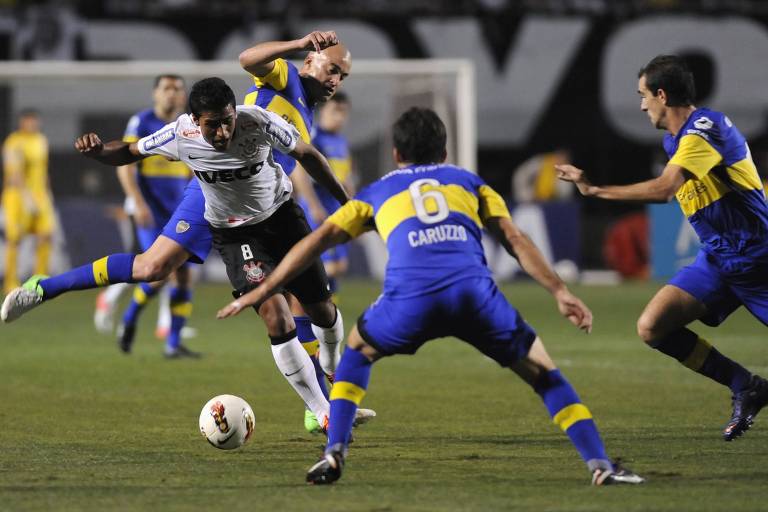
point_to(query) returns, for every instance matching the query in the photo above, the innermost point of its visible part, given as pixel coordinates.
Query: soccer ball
(226, 421)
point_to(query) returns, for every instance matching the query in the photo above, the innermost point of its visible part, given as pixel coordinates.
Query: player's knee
(322, 313)
(150, 269)
(647, 329)
(279, 321)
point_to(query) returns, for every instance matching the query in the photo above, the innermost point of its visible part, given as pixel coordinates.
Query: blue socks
(348, 390)
(698, 355)
(181, 309)
(141, 295)
(309, 341)
(115, 268)
(573, 418)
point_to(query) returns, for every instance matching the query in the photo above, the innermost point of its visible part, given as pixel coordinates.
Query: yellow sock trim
(182, 309)
(347, 391)
(698, 355)
(311, 347)
(100, 274)
(139, 296)
(569, 415)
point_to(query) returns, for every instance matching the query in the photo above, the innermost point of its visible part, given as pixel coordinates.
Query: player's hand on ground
(231, 309)
(572, 308)
(89, 144)
(568, 172)
(319, 40)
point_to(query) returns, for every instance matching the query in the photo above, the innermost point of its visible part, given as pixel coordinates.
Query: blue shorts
(337, 253)
(188, 226)
(722, 288)
(472, 309)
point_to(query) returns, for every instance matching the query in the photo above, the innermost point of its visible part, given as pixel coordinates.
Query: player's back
(282, 93)
(724, 199)
(161, 181)
(431, 218)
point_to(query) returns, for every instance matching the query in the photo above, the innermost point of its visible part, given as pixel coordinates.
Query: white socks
(331, 340)
(297, 368)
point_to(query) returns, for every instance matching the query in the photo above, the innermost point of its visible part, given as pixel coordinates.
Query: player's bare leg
(662, 326)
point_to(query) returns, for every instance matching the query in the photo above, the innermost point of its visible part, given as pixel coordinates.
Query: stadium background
(549, 75)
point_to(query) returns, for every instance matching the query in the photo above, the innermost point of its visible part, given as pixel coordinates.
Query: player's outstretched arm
(318, 167)
(519, 245)
(657, 190)
(301, 256)
(259, 60)
(114, 153)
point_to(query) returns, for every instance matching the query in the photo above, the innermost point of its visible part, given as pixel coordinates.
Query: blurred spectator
(536, 178)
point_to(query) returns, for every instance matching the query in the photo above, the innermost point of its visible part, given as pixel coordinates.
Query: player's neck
(676, 118)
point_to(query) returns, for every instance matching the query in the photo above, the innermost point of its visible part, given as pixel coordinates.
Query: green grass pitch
(86, 428)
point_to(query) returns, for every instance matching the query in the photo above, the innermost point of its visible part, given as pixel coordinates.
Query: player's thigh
(669, 310)
(187, 225)
(751, 287)
(159, 260)
(43, 222)
(401, 326)
(246, 256)
(486, 320)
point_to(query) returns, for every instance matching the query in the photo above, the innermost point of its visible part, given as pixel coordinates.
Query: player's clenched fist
(319, 40)
(89, 144)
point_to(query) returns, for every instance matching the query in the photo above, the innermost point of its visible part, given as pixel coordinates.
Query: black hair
(340, 97)
(29, 112)
(210, 95)
(169, 76)
(419, 136)
(671, 74)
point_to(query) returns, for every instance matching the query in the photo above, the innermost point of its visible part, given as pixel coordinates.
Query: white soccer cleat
(25, 298)
(363, 416)
(104, 314)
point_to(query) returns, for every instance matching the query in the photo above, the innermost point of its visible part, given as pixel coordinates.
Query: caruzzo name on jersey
(442, 233)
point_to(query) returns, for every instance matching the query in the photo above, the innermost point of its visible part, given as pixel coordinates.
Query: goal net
(77, 97)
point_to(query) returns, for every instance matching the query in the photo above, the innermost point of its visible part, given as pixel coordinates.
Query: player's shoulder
(708, 124)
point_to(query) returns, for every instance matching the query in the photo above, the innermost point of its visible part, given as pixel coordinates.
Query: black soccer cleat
(125, 336)
(327, 470)
(619, 475)
(746, 405)
(182, 352)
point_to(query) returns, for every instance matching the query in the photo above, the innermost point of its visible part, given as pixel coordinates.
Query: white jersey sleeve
(279, 133)
(163, 142)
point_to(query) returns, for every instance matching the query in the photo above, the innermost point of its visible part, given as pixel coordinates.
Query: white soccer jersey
(242, 185)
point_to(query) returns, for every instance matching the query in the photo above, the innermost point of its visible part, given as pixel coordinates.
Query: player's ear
(396, 156)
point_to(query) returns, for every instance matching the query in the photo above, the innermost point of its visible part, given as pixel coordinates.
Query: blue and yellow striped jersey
(282, 92)
(161, 181)
(431, 218)
(724, 198)
(335, 148)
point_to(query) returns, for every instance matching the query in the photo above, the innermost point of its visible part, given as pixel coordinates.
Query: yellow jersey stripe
(347, 391)
(352, 217)
(341, 168)
(698, 355)
(491, 203)
(283, 108)
(399, 207)
(250, 98)
(569, 415)
(277, 78)
(100, 274)
(696, 194)
(744, 175)
(158, 166)
(696, 155)
(130, 139)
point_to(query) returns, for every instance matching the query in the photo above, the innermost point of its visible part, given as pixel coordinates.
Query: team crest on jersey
(703, 123)
(182, 226)
(253, 272)
(248, 148)
(190, 133)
